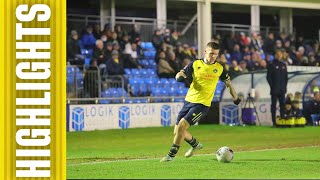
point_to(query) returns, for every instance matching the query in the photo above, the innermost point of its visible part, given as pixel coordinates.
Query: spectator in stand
(287, 47)
(114, 38)
(116, 46)
(130, 56)
(134, 33)
(312, 60)
(256, 43)
(164, 48)
(217, 38)
(166, 36)
(135, 55)
(283, 37)
(256, 59)
(243, 66)
(174, 38)
(262, 65)
(99, 53)
(235, 69)
(108, 50)
(74, 50)
(119, 31)
(248, 60)
(115, 64)
(223, 61)
(287, 59)
(174, 62)
(88, 40)
(179, 52)
(193, 53)
(108, 32)
(246, 51)
(157, 39)
(236, 54)
(300, 57)
(96, 31)
(185, 62)
(269, 44)
(244, 40)
(230, 43)
(139, 49)
(278, 45)
(164, 68)
(104, 39)
(187, 52)
(125, 43)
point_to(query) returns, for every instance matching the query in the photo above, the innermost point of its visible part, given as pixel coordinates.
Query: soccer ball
(224, 154)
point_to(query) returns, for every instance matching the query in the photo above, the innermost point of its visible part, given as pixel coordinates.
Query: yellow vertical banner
(33, 92)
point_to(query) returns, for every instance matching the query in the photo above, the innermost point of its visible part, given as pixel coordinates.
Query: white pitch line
(143, 159)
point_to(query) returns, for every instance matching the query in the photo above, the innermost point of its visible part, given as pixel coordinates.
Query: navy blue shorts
(192, 112)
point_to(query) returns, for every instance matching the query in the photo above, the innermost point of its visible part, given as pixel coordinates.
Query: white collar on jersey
(205, 61)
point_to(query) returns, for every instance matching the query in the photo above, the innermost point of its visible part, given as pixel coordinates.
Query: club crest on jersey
(215, 70)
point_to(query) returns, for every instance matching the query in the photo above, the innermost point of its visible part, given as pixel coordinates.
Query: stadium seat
(127, 71)
(146, 54)
(149, 45)
(143, 45)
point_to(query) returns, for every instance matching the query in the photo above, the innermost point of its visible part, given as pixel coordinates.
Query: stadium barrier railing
(147, 26)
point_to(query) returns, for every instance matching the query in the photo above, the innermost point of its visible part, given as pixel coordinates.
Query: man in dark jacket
(277, 77)
(115, 64)
(157, 39)
(269, 44)
(74, 50)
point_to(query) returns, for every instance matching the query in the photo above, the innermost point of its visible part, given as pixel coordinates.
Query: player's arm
(185, 73)
(226, 79)
(236, 99)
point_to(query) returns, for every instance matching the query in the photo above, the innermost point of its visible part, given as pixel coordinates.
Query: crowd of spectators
(241, 53)
(255, 52)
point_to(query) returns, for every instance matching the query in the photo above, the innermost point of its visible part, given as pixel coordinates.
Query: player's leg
(174, 148)
(179, 133)
(194, 115)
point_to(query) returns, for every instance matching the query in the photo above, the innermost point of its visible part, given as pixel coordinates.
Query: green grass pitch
(260, 152)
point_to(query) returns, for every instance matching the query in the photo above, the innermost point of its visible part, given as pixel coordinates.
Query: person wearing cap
(277, 77)
(115, 64)
(74, 50)
(108, 50)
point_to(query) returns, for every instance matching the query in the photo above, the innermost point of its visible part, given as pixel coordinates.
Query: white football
(225, 154)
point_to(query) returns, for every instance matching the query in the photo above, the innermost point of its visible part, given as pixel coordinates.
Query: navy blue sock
(193, 142)
(173, 150)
